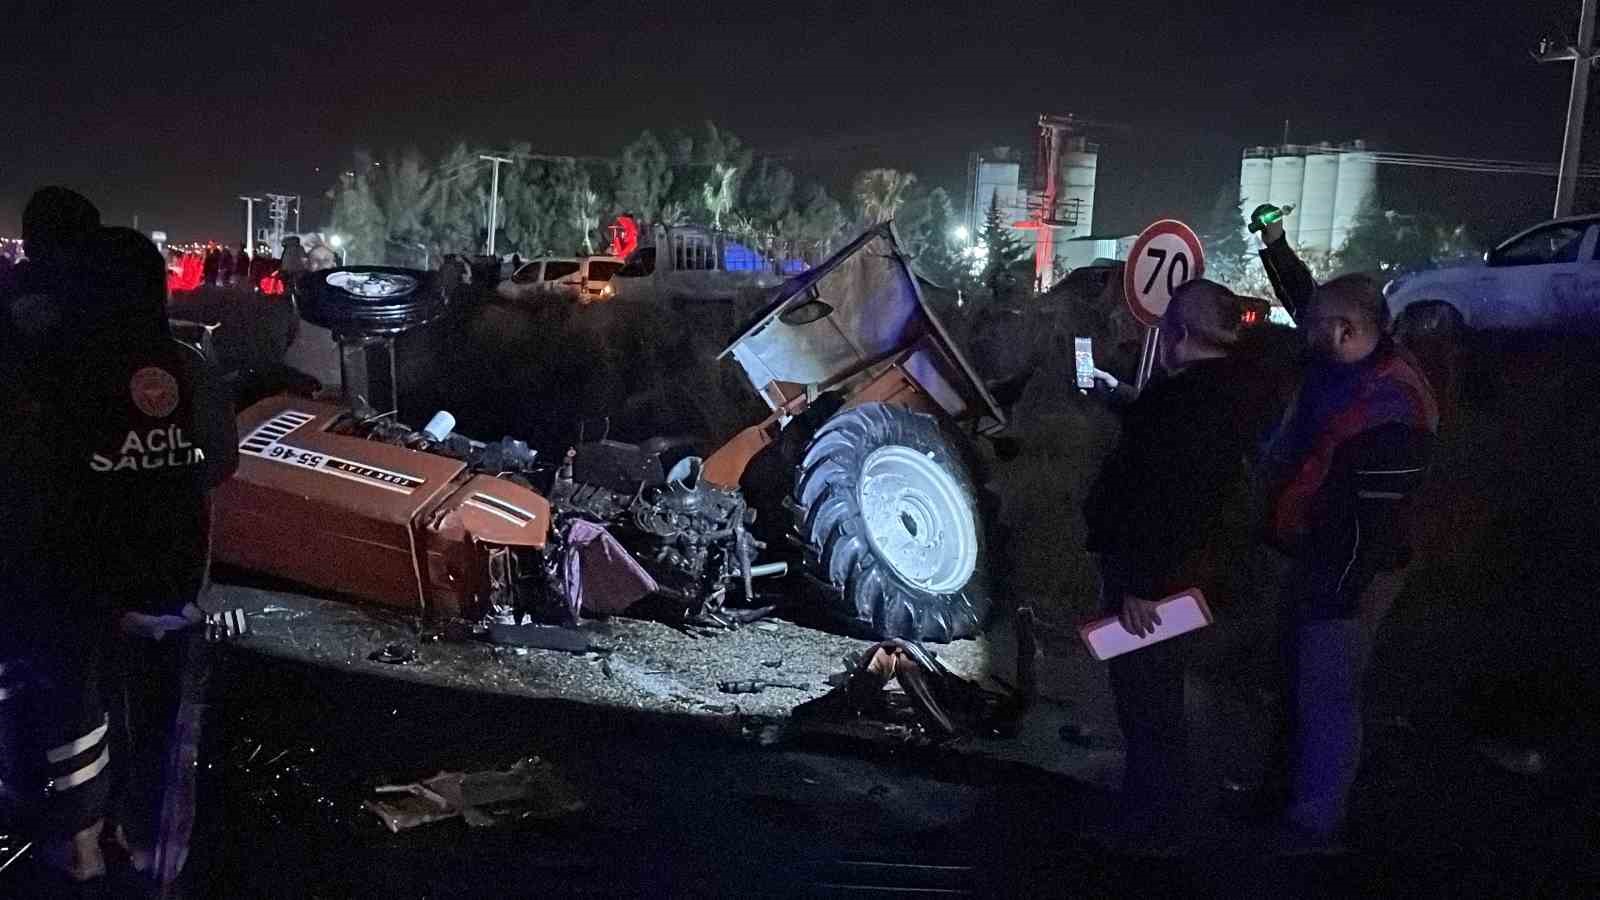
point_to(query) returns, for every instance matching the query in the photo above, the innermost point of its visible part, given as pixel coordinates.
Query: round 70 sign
(1165, 255)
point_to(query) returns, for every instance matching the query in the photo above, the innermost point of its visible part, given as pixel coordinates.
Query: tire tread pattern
(857, 587)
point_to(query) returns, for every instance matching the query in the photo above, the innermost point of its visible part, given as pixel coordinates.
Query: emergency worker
(56, 224)
(1338, 477)
(1157, 519)
(135, 433)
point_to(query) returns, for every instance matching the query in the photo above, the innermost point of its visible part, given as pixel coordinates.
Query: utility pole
(494, 197)
(1582, 56)
(250, 222)
(279, 210)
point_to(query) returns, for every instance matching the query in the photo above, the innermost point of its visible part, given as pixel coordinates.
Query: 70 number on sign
(1180, 261)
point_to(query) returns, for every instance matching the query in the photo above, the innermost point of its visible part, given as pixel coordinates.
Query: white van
(581, 279)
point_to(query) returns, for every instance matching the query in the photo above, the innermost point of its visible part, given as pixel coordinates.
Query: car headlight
(607, 291)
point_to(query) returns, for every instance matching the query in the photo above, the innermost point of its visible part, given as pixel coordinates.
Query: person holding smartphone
(1157, 520)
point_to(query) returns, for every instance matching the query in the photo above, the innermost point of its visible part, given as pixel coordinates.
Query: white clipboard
(1180, 613)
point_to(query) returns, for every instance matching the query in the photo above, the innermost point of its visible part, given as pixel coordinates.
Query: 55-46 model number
(299, 457)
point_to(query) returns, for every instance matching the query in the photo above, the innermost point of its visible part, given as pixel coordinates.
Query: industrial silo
(1079, 162)
(1288, 178)
(996, 180)
(1255, 178)
(1317, 199)
(1358, 184)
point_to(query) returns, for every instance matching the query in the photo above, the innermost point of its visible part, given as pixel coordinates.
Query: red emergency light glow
(624, 236)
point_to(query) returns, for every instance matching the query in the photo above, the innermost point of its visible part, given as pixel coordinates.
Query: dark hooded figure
(138, 433)
(211, 267)
(56, 223)
(294, 258)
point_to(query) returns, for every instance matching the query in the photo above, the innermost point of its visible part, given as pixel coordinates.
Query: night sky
(172, 114)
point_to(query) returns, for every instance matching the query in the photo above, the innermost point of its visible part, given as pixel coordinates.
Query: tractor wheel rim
(918, 519)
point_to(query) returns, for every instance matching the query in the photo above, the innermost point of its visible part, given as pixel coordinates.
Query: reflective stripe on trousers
(74, 764)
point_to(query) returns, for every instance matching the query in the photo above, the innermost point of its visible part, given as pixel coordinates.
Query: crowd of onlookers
(218, 265)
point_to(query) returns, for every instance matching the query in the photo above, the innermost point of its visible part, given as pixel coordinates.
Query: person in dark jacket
(133, 434)
(1338, 477)
(1155, 515)
(56, 224)
(294, 258)
(211, 267)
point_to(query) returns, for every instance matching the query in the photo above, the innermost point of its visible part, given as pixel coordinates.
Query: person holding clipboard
(1156, 516)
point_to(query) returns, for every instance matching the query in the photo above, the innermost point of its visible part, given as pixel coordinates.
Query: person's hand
(156, 627)
(1105, 380)
(1138, 616)
(1267, 221)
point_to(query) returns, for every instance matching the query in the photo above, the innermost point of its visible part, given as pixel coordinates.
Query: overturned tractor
(872, 414)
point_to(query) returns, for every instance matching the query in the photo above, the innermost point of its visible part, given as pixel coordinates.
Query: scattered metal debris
(756, 687)
(394, 653)
(528, 790)
(935, 703)
(1077, 735)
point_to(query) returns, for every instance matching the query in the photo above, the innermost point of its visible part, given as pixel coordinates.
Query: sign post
(1164, 256)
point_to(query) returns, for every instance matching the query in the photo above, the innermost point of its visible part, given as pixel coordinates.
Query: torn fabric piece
(598, 574)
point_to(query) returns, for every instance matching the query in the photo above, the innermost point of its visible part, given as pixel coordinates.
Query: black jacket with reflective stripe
(137, 431)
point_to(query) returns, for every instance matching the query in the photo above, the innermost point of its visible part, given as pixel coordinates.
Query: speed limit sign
(1164, 256)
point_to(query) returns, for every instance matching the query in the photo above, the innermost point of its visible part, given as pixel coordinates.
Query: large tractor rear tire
(370, 300)
(886, 505)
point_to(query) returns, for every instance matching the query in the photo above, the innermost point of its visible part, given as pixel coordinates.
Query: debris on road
(756, 687)
(1077, 735)
(396, 653)
(528, 790)
(935, 701)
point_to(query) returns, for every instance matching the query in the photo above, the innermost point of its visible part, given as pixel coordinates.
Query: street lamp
(336, 241)
(960, 233)
(494, 198)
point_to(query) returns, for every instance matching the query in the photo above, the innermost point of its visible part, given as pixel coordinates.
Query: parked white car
(584, 280)
(1546, 278)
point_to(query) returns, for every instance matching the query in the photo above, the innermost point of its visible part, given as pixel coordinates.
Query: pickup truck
(691, 263)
